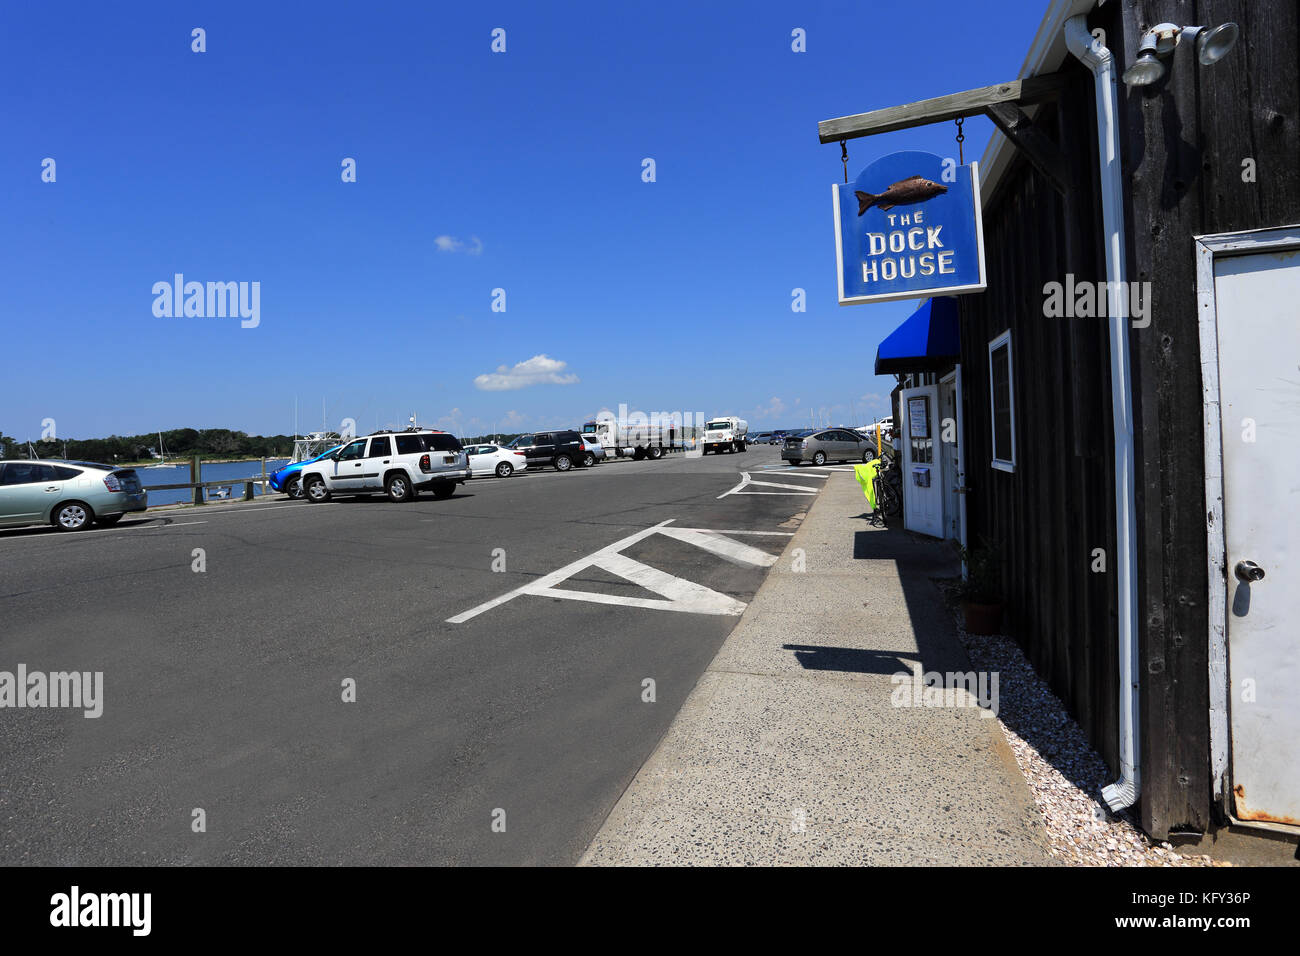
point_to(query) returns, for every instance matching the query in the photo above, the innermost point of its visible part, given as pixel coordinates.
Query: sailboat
(162, 456)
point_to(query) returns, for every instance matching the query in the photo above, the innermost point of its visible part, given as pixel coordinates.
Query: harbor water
(235, 471)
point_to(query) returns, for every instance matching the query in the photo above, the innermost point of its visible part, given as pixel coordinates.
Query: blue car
(286, 478)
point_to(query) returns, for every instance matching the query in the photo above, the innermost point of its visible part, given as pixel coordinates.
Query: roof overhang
(1046, 54)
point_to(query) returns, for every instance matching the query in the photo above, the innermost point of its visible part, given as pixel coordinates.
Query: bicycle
(888, 485)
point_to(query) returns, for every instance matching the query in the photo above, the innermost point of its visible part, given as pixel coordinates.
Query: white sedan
(485, 460)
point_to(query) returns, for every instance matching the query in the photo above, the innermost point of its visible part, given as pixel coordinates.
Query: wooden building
(1210, 157)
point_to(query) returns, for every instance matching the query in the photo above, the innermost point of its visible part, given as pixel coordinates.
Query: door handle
(1249, 571)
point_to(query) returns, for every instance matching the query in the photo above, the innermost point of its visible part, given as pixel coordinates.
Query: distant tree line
(178, 443)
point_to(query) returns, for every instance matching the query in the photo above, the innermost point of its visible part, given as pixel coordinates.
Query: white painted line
(801, 489)
(555, 577)
(735, 551)
(681, 594)
(649, 604)
(677, 594)
(781, 534)
(744, 480)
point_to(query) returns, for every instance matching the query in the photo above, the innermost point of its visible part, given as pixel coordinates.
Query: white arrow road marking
(677, 594)
(680, 594)
(747, 482)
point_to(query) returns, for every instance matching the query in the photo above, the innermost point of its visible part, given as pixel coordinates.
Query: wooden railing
(200, 486)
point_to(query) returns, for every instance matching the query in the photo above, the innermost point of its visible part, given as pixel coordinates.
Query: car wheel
(444, 489)
(563, 462)
(294, 488)
(315, 491)
(398, 488)
(819, 458)
(108, 520)
(73, 516)
(868, 455)
(505, 470)
(589, 461)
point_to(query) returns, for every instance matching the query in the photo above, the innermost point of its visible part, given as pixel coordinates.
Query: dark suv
(562, 449)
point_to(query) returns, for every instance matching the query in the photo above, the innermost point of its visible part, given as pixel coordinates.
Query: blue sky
(476, 171)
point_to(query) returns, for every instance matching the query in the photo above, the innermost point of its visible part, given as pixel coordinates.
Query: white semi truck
(725, 434)
(623, 439)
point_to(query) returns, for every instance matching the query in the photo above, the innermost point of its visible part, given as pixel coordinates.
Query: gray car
(71, 495)
(829, 444)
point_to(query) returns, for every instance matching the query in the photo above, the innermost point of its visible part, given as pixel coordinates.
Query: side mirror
(334, 456)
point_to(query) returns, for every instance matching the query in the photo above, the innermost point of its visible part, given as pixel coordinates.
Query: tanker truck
(725, 434)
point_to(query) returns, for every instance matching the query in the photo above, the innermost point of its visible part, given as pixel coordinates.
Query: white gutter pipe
(1093, 54)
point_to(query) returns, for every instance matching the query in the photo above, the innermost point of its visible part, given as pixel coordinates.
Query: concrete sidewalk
(789, 750)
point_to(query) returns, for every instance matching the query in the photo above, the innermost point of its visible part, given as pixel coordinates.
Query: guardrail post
(196, 475)
(248, 490)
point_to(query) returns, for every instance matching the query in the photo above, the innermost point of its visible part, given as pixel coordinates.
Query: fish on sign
(909, 227)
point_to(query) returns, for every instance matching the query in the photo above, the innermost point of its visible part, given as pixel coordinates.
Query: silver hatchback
(830, 444)
(71, 495)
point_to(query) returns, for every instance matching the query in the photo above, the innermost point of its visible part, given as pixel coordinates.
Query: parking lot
(500, 643)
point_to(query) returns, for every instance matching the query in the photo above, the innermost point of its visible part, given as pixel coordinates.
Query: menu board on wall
(918, 417)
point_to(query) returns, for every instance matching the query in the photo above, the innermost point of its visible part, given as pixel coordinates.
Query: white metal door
(922, 461)
(1256, 300)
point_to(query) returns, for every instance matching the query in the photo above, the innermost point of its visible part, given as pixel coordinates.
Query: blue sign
(909, 227)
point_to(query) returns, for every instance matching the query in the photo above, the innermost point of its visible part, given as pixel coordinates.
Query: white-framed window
(1002, 403)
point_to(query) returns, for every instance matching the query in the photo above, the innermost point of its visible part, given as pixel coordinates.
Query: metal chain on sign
(961, 138)
(844, 158)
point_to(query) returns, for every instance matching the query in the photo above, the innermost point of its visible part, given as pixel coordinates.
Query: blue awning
(927, 341)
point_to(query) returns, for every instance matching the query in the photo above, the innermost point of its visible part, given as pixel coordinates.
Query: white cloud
(772, 409)
(538, 370)
(447, 243)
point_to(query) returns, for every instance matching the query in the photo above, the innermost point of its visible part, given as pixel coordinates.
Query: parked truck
(725, 434)
(633, 439)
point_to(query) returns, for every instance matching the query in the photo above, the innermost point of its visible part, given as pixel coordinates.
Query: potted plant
(981, 592)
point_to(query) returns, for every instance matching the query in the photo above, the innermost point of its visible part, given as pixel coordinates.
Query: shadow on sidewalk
(850, 660)
(1023, 705)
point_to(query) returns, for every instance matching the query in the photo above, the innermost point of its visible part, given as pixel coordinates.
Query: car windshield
(713, 426)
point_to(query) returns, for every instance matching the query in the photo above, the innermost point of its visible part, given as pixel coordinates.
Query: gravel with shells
(1064, 773)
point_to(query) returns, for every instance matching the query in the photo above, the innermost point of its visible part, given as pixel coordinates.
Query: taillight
(111, 483)
(521, 454)
(424, 463)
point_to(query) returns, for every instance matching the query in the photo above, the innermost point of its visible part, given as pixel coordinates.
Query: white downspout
(1124, 792)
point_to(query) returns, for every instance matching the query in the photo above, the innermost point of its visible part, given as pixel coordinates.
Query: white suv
(400, 464)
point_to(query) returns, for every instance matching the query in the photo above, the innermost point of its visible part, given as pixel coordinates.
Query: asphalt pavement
(500, 644)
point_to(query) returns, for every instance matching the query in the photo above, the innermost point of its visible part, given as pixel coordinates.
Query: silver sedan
(830, 444)
(71, 495)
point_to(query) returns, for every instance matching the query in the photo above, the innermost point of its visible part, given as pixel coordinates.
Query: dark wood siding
(1048, 515)
(1185, 140)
